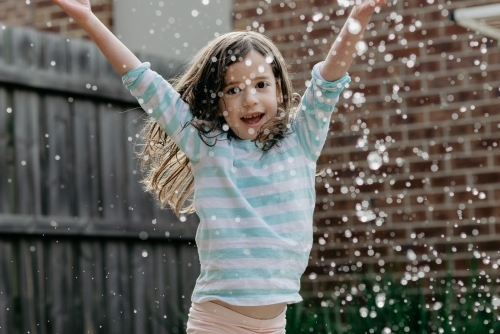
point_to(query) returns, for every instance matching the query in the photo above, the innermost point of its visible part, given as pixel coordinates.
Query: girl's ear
(279, 92)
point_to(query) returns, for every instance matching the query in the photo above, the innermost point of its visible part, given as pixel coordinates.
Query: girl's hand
(363, 9)
(79, 10)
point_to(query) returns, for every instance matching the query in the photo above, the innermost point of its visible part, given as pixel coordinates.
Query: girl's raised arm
(343, 51)
(113, 49)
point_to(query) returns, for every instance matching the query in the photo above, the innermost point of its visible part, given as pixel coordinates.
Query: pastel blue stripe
(240, 273)
(255, 181)
(283, 197)
(152, 90)
(133, 78)
(252, 253)
(209, 213)
(248, 232)
(288, 217)
(245, 293)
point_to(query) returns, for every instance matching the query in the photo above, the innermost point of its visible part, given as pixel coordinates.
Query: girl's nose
(250, 97)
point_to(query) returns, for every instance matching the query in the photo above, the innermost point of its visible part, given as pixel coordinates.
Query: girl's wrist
(362, 18)
(87, 21)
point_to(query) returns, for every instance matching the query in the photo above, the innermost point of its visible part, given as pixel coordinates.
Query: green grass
(450, 307)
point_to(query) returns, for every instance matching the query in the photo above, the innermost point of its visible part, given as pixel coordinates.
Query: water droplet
(363, 312)
(251, 131)
(361, 47)
(317, 16)
(437, 306)
(353, 26)
(144, 253)
(380, 300)
(374, 160)
(410, 254)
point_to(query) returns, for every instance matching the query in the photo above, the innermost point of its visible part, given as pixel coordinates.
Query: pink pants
(210, 318)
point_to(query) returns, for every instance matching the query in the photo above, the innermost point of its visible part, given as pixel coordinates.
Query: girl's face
(250, 95)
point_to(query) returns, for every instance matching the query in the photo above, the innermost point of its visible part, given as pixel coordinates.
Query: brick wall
(424, 100)
(45, 16)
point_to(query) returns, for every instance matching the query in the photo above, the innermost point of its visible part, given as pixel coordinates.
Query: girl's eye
(233, 90)
(262, 84)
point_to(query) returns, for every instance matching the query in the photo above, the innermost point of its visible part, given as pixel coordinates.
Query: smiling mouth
(252, 119)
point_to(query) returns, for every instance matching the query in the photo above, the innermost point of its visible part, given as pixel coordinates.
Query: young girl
(231, 142)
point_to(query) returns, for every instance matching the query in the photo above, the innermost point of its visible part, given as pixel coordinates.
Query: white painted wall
(175, 29)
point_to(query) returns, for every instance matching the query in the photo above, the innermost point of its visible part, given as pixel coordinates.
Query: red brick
(447, 181)
(469, 162)
(405, 217)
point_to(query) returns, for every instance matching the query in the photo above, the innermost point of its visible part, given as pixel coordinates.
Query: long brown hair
(167, 170)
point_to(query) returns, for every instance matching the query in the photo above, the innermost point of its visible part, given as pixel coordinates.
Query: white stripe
(144, 84)
(266, 210)
(284, 227)
(250, 283)
(230, 243)
(251, 264)
(257, 301)
(291, 184)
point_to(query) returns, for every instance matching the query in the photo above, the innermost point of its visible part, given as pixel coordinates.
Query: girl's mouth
(252, 119)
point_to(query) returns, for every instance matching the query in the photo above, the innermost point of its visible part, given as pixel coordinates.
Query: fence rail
(82, 248)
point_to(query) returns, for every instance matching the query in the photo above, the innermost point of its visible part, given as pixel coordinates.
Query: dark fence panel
(82, 248)
(76, 285)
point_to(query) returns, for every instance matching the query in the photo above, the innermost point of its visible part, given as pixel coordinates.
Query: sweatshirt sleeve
(160, 100)
(313, 117)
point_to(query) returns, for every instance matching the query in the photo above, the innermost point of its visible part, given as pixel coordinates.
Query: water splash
(353, 26)
(374, 160)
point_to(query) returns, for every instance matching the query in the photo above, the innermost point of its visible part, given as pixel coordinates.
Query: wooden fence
(82, 248)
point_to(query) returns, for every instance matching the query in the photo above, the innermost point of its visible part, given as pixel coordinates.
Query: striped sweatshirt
(255, 207)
